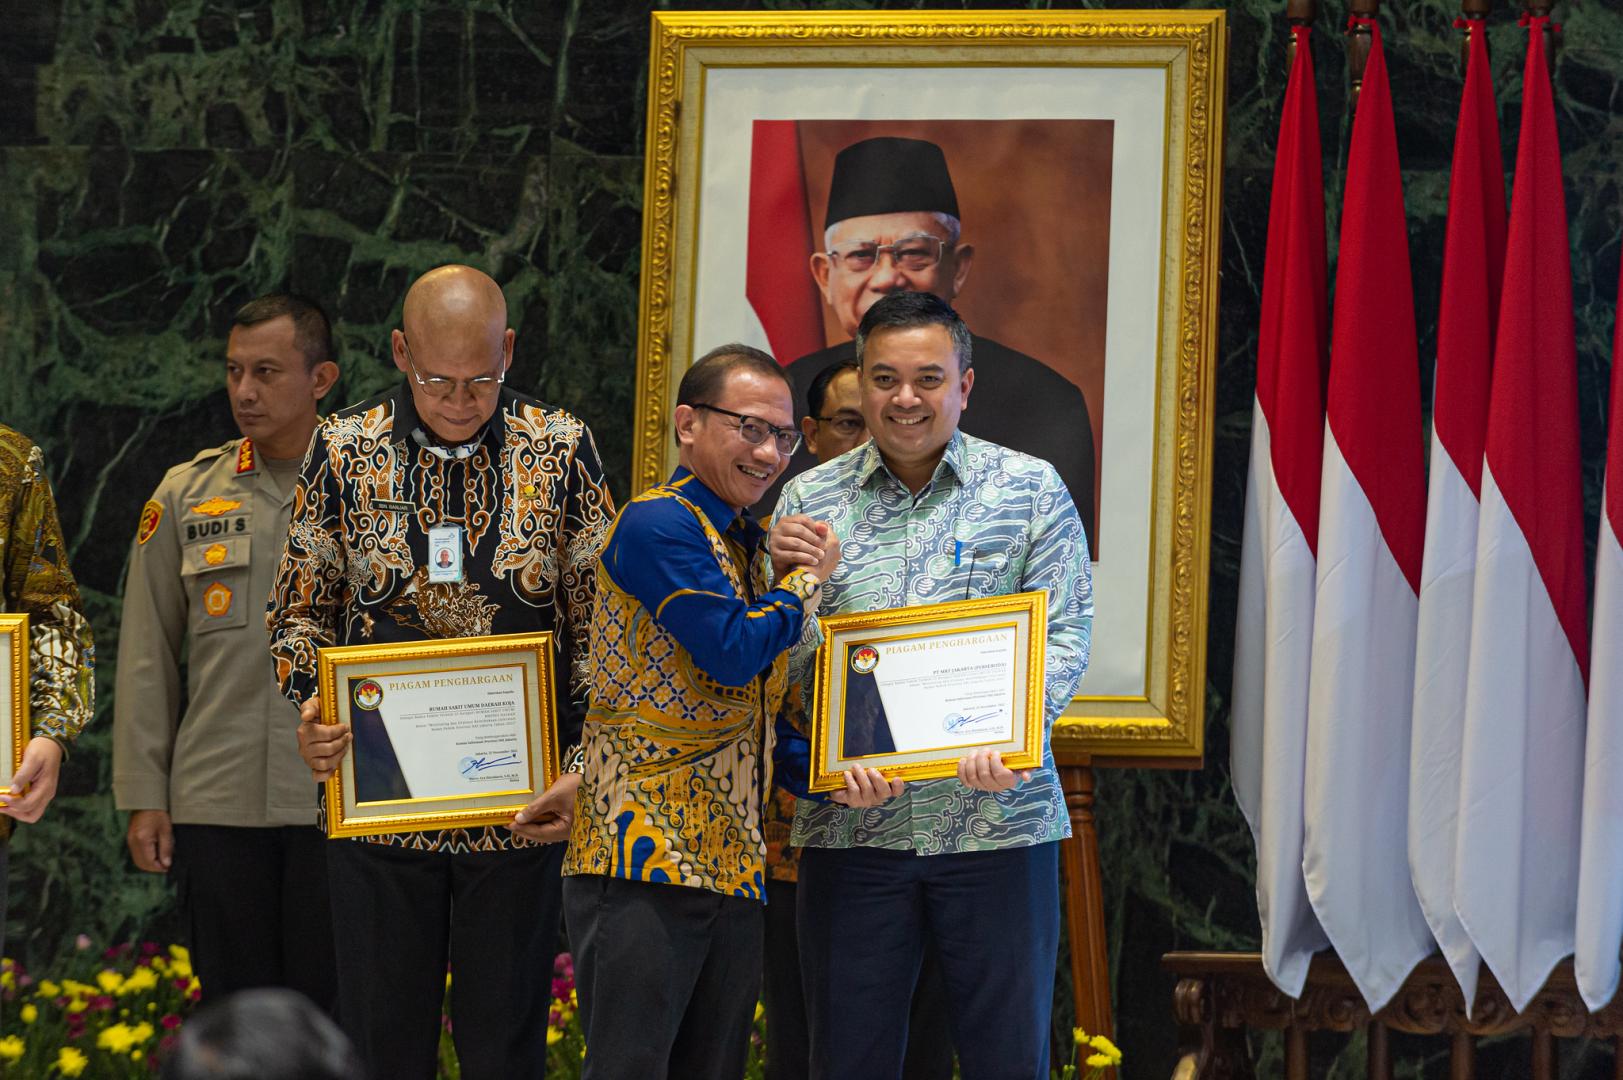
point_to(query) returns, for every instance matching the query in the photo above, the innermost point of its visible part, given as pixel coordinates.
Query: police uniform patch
(245, 457)
(217, 599)
(214, 554)
(216, 506)
(151, 515)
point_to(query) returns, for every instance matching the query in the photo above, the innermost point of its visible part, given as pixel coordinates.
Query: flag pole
(1359, 39)
(1298, 13)
(1474, 20)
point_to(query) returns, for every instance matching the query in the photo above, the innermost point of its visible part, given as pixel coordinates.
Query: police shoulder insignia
(216, 506)
(151, 515)
(245, 457)
(214, 554)
(217, 599)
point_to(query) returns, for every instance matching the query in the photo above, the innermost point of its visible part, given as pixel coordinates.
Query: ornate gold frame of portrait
(1117, 719)
(456, 658)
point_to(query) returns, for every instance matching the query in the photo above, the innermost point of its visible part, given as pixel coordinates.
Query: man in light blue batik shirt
(926, 514)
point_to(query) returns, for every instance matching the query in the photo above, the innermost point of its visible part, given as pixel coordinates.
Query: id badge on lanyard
(445, 553)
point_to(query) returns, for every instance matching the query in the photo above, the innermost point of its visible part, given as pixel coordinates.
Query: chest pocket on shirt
(986, 567)
(216, 574)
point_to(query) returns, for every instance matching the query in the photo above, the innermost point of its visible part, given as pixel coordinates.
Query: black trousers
(788, 1045)
(864, 915)
(256, 909)
(667, 977)
(402, 916)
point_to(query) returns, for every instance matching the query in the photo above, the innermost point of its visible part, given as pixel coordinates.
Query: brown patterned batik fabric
(533, 507)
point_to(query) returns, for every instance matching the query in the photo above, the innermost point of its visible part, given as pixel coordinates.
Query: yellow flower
(8, 981)
(49, 989)
(11, 1048)
(140, 979)
(71, 1062)
(137, 1055)
(77, 1004)
(553, 1035)
(117, 1037)
(109, 981)
(141, 1032)
(1107, 1048)
(1099, 1061)
(180, 952)
(448, 979)
(760, 1011)
(30, 1013)
(1078, 1036)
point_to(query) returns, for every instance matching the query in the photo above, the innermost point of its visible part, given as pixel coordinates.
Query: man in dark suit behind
(893, 226)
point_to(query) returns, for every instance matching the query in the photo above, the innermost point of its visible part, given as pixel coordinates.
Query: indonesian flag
(1275, 626)
(1600, 866)
(1522, 761)
(1473, 263)
(786, 315)
(1372, 519)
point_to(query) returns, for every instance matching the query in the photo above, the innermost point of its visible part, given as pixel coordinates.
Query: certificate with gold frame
(454, 733)
(13, 694)
(909, 691)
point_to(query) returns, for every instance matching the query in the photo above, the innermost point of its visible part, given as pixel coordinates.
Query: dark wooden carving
(1220, 995)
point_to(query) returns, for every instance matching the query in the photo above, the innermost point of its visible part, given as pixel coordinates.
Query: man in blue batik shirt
(925, 514)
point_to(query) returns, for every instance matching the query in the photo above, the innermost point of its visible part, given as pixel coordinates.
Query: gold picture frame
(14, 703)
(441, 761)
(713, 73)
(1011, 630)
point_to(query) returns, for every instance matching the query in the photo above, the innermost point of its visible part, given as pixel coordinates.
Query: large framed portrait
(14, 711)
(1056, 177)
(449, 733)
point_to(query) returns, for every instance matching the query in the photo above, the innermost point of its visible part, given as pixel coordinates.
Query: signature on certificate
(471, 765)
(957, 721)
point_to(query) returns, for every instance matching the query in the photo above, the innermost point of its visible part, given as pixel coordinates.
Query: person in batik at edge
(61, 655)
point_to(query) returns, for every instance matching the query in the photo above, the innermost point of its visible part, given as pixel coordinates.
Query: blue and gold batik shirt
(990, 522)
(689, 663)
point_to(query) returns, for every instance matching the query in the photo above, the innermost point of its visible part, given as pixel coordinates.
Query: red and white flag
(1273, 637)
(1372, 520)
(1521, 771)
(1600, 866)
(786, 314)
(1473, 264)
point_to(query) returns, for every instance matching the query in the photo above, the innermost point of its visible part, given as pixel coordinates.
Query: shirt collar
(722, 516)
(406, 420)
(952, 461)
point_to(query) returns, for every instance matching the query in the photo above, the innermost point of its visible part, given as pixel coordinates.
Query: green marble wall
(162, 162)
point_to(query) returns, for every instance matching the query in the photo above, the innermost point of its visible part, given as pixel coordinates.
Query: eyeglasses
(917, 252)
(754, 430)
(440, 387)
(843, 424)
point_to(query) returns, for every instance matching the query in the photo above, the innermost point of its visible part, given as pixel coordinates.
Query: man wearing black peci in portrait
(893, 226)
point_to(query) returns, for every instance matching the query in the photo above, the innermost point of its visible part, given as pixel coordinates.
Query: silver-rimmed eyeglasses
(918, 252)
(438, 386)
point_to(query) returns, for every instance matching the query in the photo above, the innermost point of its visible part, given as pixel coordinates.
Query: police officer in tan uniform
(217, 794)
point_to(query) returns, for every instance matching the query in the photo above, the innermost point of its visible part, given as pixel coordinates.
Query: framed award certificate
(911, 690)
(13, 695)
(452, 733)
